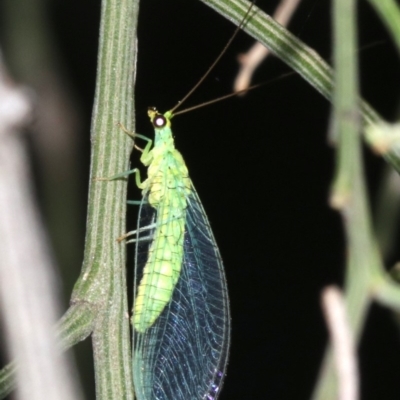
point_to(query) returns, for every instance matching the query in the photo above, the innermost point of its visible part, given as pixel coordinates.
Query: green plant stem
(102, 283)
(349, 194)
(76, 324)
(99, 298)
(280, 41)
(304, 60)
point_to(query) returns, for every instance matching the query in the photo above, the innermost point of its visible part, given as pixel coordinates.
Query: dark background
(262, 167)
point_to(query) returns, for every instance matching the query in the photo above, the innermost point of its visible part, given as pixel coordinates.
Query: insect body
(181, 312)
(166, 188)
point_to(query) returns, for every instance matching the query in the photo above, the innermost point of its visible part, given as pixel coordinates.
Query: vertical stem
(103, 279)
(349, 194)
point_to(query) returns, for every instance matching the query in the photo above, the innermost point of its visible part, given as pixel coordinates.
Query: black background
(262, 167)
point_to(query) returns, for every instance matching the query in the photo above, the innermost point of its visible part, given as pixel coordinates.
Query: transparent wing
(143, 238)
(183, 355)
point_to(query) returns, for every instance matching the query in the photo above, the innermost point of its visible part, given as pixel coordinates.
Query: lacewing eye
(159, 121)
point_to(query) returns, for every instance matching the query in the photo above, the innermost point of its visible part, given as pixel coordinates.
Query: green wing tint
(183, 355)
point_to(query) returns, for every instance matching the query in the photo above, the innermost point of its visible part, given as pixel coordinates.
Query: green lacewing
(181, 316)
(181, 319)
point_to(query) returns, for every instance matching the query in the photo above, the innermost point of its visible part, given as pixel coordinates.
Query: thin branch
(349, 195)
(343, 345)
(251, 60)
(304, 60)
(102, 283)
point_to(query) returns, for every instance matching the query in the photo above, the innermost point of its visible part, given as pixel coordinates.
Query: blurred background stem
(56, 133)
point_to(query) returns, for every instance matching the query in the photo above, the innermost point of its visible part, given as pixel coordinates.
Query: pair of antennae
(227, 96)
(239, 27)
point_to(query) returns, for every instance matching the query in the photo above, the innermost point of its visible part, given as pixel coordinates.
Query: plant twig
(304, 60)
(102, 283)
(250, 60)
(342, 343)
(349, 195)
